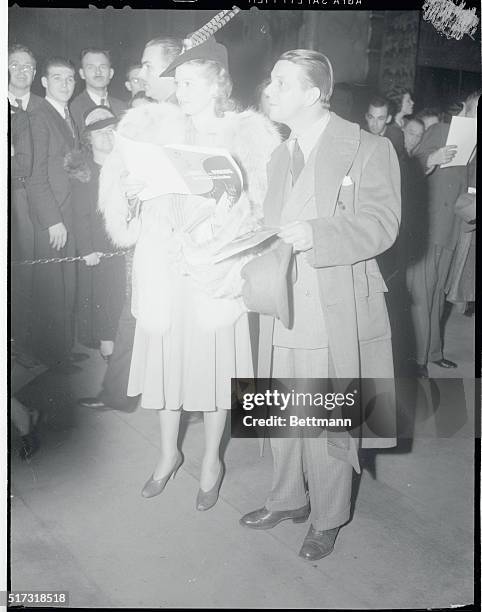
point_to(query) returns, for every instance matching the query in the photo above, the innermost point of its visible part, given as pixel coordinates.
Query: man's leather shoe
(266, 519)
(446, 363)
(318, 544)
(92, 402)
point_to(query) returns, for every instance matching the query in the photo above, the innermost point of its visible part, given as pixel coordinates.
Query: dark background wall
(252, 39)
(370, 50)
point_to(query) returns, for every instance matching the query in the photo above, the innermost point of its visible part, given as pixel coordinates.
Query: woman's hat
(267, 277)
(98, 118)
(201, 44)
(208, 50)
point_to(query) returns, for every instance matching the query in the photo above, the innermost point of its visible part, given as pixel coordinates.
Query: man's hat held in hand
(201, 44)
(267, 277)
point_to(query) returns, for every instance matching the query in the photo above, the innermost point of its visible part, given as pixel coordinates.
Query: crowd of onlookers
(58, 146)
(433, 259)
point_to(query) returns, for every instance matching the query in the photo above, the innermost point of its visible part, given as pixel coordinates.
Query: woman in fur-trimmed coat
(192, 332)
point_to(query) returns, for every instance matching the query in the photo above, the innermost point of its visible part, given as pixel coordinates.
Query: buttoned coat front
(357, 194)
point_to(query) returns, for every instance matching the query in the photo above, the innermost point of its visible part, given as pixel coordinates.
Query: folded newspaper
(181, 169)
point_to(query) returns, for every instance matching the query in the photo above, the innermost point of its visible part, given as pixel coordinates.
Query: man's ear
(128, 86)
(313, 95)
(82, 74)
(111, 73)
(43, 80)
(389, 119)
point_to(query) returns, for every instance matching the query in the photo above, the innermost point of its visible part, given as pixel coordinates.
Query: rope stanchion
(47, 260)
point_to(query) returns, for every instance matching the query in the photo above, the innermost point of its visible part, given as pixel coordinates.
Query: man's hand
(130, 185)
(443, 155)
(299, 234)
(92, 259)
(57, 236)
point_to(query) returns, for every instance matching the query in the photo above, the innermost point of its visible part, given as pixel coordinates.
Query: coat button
(341, 205)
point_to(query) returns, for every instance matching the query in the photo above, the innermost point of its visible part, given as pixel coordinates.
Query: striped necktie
(68, 120)
(297, 161)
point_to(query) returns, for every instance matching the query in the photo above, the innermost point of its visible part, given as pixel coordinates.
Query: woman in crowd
(192, 332)
(402, 105)
(101, 281)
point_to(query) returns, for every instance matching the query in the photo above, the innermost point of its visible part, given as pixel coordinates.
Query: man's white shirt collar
(308, 139)
(97, 99)
(57, 105)
(13, 99)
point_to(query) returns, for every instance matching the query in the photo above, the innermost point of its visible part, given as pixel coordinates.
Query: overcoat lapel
(336, 151)
(277, 171)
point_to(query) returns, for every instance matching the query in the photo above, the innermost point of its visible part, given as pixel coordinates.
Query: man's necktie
(69, 121)
(19, 103)
(297, 161)
(102, 102)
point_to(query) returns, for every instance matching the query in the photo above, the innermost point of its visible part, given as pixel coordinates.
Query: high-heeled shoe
(207, 499)
(155, 486)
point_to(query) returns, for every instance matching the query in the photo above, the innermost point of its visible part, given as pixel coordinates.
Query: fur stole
(249, 136)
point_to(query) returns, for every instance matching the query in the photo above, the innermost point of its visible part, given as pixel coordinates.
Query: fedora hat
(267, 278)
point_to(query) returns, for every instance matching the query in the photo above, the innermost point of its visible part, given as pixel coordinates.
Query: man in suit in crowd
(378, 118)
(335, 191)
(157, 56)
(429, 277)
(21, 72)
(133, 83)
(97, 72)
(49, 191)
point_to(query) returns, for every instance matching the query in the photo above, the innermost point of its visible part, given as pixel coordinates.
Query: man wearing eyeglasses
(97, 72)
(21, 73)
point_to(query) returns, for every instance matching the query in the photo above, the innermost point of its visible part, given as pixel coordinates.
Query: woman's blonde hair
(215, 72)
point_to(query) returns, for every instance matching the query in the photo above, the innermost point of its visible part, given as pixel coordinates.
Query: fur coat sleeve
(251, 139)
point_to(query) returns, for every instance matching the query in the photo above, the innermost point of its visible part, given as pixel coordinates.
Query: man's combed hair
(171, 47)
(95, 50)
(378, 101)
(131, 68)
(317, 70)
(57, 61)
(21, 49)
(430, 111)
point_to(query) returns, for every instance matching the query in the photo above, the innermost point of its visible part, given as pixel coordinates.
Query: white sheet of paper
(463, 133)
(148, 163)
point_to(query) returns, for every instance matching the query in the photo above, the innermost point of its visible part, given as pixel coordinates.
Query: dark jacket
(84, 103)
(444, 187)
(21, 141)
(88, 226)
(49, 187)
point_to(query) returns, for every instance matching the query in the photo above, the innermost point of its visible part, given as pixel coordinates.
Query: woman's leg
(169, 422)
(214, 424)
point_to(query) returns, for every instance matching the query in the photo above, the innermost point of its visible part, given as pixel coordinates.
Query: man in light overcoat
(335, 191)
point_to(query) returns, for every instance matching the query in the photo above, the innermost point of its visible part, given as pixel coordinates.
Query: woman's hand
(130, 185)
(92, 259)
